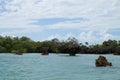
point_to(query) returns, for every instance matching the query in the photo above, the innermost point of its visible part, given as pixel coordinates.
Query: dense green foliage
(71, 46)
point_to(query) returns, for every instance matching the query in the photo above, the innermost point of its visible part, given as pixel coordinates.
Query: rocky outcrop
(72, 54)
(102, 62)
(45, 51)
(17, 52)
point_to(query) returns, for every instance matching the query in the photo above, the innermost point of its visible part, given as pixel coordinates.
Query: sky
(92, 21)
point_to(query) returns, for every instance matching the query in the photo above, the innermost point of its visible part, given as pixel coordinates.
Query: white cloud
(61, 37)
(90, 37)
(31, 9)
(22, 32)
(100, 15)
(61, 8)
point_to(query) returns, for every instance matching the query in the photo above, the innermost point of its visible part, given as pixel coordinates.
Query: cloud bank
(87, 20)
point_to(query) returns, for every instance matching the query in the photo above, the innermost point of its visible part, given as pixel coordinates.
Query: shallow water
(57, 67)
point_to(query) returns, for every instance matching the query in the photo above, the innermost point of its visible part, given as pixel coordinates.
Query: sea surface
(57, 67)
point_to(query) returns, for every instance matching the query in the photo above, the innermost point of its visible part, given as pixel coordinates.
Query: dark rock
(45, 51)
(72, 54)
(17, 52)
(102, 62)
(116, 53)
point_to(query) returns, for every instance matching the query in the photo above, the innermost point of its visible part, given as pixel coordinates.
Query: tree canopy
(71, 46)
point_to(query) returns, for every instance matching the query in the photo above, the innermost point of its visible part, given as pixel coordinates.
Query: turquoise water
(57, 67)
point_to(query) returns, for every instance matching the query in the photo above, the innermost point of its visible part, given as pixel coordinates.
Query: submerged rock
(45, 51)
(72, 54)
(17, 52)
(116, 53)
(102, 62)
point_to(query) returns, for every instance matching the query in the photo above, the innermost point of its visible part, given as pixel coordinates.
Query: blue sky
(87, 20)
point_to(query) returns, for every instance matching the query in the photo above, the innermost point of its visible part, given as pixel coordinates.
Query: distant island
(71, 46)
